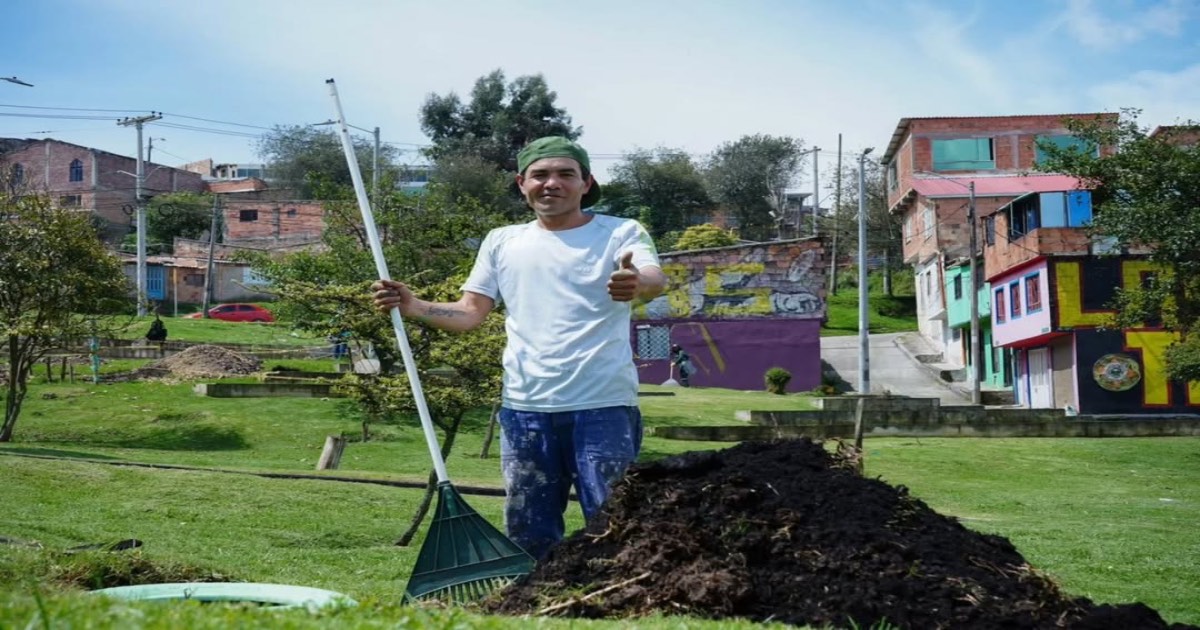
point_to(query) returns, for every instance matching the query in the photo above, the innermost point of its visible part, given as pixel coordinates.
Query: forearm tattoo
(442, 311)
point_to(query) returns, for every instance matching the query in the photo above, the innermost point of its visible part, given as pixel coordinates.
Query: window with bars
(76, 171)
(653, 342)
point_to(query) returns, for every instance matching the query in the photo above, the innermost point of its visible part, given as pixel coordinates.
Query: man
(681, 359)
(569, 411)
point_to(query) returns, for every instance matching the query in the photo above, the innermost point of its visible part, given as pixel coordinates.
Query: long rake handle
(410, 365)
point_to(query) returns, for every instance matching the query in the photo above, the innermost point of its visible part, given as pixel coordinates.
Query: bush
(900, 306)
(777, 380)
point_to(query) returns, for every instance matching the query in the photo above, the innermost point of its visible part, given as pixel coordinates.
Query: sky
(685, 74)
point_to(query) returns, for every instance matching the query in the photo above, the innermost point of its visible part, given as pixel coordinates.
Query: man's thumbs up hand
(624, 282)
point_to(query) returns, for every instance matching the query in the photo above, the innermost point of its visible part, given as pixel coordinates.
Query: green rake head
(464, 557)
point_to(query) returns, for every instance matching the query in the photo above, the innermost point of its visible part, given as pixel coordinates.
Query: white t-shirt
(568, 340)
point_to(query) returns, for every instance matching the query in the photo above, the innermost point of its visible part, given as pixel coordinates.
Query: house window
(964, 154)
(193, 279)
(1079, 208)
(1023, 216)
(653, 342)
(998, 307)
(291, 212)
(1065, 143)
(70, 201)
(76, 171)
(1014, 300)
(246, 216)
(989, 230)
(893, 180)
(958, 284)
(928, 222)
(908, 228)
(1033, 293)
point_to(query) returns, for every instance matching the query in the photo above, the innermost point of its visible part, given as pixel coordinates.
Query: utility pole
(864, 339)
(837, 215)
(208, 269)
(816, 193)
(974, 363)
(141, 208)
(150, 148)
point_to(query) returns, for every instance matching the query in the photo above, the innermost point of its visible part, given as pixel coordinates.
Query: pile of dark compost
(787, 532)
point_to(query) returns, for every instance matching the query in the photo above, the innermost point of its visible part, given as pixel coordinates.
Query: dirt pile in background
(202, 362)
(785, 531)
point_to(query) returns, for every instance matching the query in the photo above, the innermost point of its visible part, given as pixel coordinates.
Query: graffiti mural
(1118, 370)
(755, 281)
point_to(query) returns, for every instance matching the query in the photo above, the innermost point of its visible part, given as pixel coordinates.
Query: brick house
(931, 165)
(1052, 284)
(737, 311)
(99, 182)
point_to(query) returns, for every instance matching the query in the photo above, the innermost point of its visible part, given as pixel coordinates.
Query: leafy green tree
(460, 175)
(499, 119)
(1146, 196)
(749, 177)
(665, 185)
(56, 280)
(297, 155)
(174, 215)
(704, 236)
(429, 242)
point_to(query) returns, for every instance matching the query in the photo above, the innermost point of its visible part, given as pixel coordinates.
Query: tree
(460, 175)
(664, 185)
(704, 236)
(1145, 197)
(298, 154)
(174, 215)
(499, 119)
(431, 245)
(749, 177)
(56, 280)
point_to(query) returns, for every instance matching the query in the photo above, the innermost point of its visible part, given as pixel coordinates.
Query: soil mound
(786, 532)
(202, 362)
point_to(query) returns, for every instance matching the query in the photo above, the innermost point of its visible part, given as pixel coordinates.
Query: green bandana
(558, 146)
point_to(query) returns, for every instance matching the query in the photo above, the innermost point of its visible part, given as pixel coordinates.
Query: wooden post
(331, 455)
(49, 371)
(62, 370)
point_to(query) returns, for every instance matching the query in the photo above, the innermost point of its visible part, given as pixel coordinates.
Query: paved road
(890, 368)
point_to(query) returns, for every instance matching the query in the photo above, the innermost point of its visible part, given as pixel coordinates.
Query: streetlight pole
(816, 192)
(864, 339)
(975, 365)
(141, 209)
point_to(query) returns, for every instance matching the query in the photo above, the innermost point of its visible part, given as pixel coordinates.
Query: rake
(464, 557)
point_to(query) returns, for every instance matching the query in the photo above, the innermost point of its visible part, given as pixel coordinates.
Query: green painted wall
(958, 315)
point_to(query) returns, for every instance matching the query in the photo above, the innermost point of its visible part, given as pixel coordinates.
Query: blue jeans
(543, 454)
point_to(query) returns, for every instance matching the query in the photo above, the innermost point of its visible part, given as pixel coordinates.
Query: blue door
(156, 282)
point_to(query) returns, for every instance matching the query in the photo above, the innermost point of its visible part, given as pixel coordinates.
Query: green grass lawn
(842, 314)
(218, 331)
(1111, 519)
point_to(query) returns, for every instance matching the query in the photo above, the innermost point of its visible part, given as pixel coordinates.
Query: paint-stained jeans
(544, 454)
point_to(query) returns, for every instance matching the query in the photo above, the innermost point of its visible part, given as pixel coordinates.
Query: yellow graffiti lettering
(757, 300)
(1156, 388)
(1070, 299)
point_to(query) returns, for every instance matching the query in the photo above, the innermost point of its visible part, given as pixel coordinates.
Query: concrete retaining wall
(925, 417)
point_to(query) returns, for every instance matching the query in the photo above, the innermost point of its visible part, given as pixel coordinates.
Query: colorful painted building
(1052, 289)
(933, 164)
(995, 366)
(737, 311)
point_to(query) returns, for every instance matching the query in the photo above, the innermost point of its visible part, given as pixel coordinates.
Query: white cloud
(1164, 97)
(1092, 27)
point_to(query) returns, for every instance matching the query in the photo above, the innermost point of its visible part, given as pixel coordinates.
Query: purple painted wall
(737, 354)
(737, 311)
(1026, 323)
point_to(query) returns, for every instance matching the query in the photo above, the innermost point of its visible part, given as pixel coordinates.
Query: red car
(237, 313)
